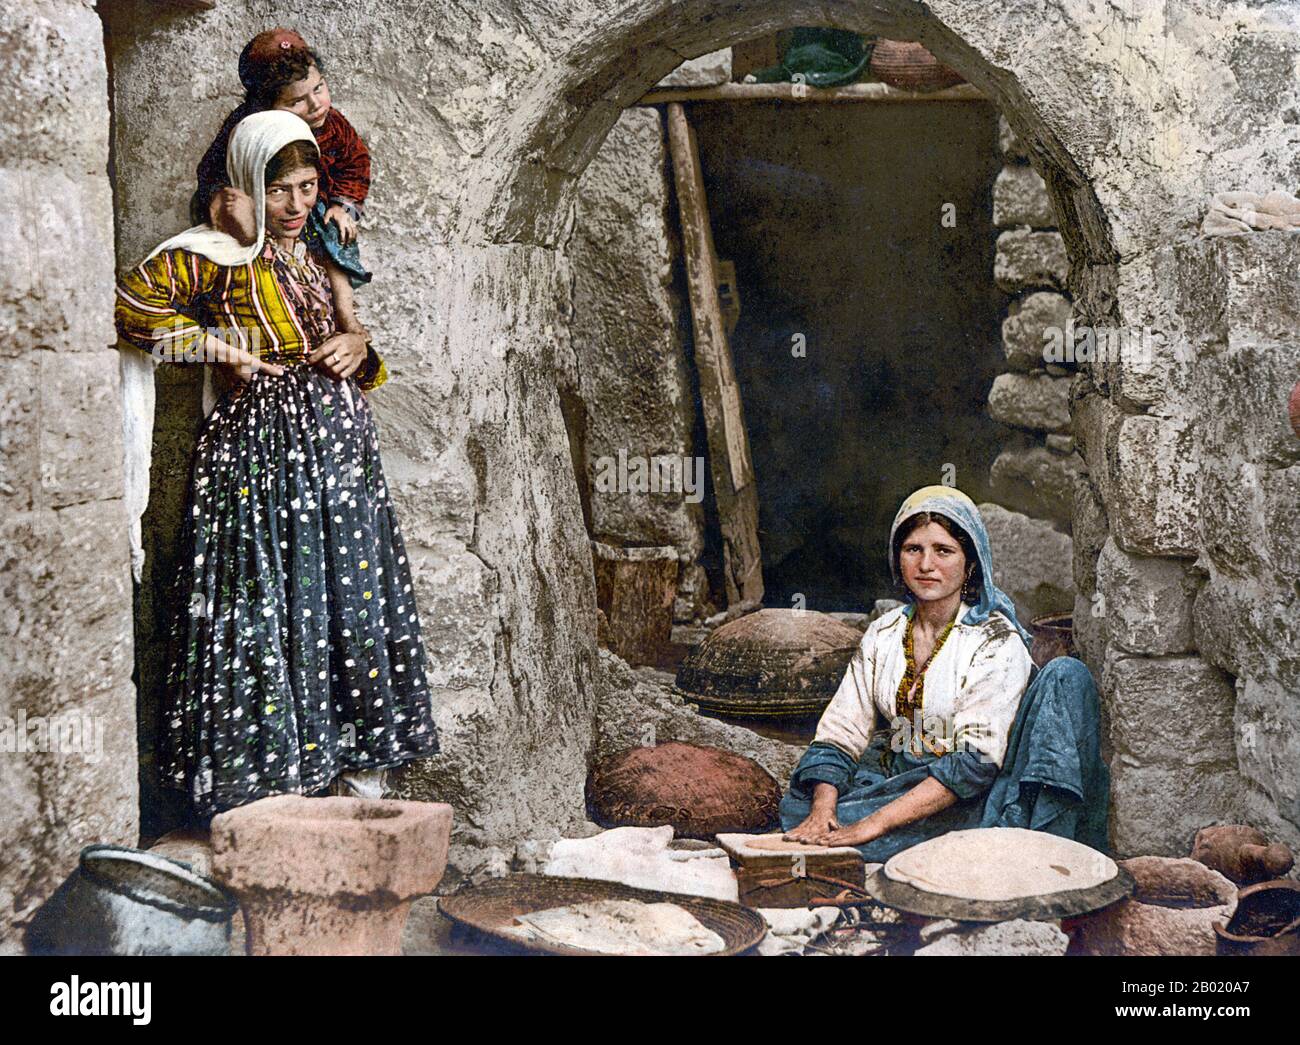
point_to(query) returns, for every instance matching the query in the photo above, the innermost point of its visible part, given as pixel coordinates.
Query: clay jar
(1172, 911)
(1241, 853)
(1266, 922)
(329, 875)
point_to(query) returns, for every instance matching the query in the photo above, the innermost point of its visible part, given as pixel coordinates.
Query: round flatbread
(1000, 863)
(620, 927)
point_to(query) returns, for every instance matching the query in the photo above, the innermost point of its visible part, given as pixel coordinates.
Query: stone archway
(515, 214)
(1104, 106)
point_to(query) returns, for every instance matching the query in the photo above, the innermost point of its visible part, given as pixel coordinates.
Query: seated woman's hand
(817, 826)
(340, 355)
(855, 834)
(821, 819)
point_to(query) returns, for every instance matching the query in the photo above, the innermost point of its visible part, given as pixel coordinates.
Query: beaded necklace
(908, 702)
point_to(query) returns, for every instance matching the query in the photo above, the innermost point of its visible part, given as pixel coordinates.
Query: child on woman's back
(279, 71)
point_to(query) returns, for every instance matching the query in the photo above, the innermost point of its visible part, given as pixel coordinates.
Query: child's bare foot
(231, 212)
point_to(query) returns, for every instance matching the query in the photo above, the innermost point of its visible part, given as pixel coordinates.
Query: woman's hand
(861, 833)
(346, 224)
(340, 355)
(820, 820)
(238, 363)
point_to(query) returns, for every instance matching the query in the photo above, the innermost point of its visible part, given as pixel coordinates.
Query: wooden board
(772, 850)
(724, 420)
(879, 93)
(771, 872)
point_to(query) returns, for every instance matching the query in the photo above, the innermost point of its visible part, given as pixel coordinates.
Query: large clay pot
(773, 663)
(1241, 853)
(1266, 922)
(126, 901)
(911, 67)
(329, 875)
(1172, 911)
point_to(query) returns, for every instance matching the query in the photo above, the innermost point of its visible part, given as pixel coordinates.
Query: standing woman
(936, 726)
(296, 655)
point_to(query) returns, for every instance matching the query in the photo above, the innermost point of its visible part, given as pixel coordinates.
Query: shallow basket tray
(491, 906)
(1046, 907)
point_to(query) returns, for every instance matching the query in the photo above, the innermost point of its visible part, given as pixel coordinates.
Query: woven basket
(911, 67)
(700, 790)
(490, 907)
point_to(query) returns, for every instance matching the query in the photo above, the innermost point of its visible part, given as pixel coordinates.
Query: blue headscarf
(950, 502)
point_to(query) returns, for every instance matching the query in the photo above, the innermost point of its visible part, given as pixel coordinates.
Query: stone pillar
(1033, 477)
(633, 377)
(1241, 301)
(67, 705)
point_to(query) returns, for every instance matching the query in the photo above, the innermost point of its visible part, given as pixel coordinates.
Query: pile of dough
(1000, 863)
(620, 927)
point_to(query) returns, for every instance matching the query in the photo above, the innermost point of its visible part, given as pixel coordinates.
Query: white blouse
(972, 690)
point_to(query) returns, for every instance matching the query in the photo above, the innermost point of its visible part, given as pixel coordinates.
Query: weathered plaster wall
(65, 581)
(471, 433)
(481, 117)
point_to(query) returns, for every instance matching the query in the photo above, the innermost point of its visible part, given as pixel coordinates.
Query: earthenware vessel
(329, 875)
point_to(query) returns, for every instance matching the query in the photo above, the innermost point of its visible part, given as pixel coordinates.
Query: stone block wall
(67, 705)
(1033, 477)
(1241, 296)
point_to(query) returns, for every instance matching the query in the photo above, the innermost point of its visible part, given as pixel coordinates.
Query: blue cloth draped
(1052, 778)
(323, 236)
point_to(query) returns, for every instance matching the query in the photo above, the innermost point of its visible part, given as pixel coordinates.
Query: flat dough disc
(620, 927)
(1000, 863)
(761, 845)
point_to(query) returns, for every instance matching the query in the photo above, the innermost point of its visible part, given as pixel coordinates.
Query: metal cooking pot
(128, 901)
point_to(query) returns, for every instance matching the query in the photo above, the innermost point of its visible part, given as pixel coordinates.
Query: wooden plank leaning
(724, 421)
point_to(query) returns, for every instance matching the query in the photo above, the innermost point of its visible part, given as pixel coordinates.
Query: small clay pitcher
(1241, 853)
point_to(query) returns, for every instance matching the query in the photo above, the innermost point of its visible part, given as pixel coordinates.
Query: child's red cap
(264, 48)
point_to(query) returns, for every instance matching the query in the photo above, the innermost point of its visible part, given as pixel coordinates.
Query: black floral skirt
(296, 653)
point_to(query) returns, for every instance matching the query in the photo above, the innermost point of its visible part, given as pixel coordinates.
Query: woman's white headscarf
(253, 143)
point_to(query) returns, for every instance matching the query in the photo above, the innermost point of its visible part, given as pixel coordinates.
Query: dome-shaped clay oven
(769, 663)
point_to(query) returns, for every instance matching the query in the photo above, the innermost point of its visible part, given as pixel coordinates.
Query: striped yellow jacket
(167, 303)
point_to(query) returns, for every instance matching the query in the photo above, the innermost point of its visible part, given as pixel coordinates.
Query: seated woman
(933, 728)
